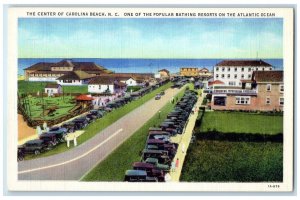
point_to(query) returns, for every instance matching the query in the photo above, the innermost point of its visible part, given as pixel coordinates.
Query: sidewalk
(184, 140)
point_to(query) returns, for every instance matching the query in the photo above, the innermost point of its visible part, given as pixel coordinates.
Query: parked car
(97, 113)
(60, 133)
(70, 127)
(33, 147)
(138, 176)
(157, 97)
(162, 93)
(161, 155)
(21, 154)
(49, 139)
(150, 169)
(91, 118)
(158, 165)
(81, 122)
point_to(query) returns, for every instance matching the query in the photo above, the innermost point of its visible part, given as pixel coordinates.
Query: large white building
(106, 85)
(238, 72)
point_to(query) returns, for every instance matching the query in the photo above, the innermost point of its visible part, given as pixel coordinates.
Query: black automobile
(70, 127)
(138, 176)
(81, 122)
(59, 132)
(97, 113)
(91, 118)
(49, 139)
(34, 147)
(21, 154)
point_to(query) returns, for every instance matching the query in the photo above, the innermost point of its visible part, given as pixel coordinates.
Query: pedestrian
(182, 148)
(177, 163)
(173, 166)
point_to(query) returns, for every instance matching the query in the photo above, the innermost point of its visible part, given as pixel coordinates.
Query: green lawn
(31, 87)
(240, 122)
(114, 166)
(223, 161)
(82, 89)
(133, 88)
(104, 122)
(34, 87)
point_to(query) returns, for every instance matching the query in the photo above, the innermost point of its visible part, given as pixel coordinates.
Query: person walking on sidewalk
(173, 166)
(177, 163)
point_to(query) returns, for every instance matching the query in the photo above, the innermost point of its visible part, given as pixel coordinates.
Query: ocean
(140, 65)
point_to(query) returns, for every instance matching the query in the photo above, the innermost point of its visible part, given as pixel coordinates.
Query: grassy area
(104, 122)
(241, 122)
(223, 161)
(83, 89)
(121, 159)
(133, 88)
(31, 87)
(34, 87)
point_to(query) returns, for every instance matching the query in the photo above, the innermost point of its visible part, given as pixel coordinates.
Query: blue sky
(150, 38)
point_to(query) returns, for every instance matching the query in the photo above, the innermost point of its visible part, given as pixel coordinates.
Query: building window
(228, 75)
(219, 101)
(235, 69)
(268, 100)
(281, 88)
(235, 76)
(256, 68)
(242, 100)
(223, 69)
(222, 75)
(249, 76)
(281, 101)
(217, 75)
(263, 69)
(270, 68)
(242, 69)
(242, 76)
(249, 69)
(268, 87)
(231, 82)
(228, 69)
(217, 68)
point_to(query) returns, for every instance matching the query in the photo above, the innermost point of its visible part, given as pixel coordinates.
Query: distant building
(238, 72)
(265, 94)
(106, 85)
(75, 78)
(205, 74)
(45, 71)
(189, 71)
(164, 73)
(51, 89)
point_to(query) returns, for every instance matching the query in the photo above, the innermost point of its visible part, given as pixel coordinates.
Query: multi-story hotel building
(239, 72)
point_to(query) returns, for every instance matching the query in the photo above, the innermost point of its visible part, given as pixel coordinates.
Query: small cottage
(52, 88)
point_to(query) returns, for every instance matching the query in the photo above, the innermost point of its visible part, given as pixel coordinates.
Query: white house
(75, 78)
(237, 72)
(106, 85)
(51, 89)
(130, 82)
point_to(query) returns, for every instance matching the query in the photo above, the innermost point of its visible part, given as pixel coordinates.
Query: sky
(150, 38)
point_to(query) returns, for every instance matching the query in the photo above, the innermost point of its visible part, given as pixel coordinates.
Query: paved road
(73, 164)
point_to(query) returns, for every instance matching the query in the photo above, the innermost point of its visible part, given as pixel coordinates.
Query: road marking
(74, 159)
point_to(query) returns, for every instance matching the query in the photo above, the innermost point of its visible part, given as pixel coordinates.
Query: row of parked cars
(57, 134)
(48, 140)
(159, 151)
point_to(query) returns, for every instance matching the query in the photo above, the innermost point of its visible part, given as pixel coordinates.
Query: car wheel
(37, 152)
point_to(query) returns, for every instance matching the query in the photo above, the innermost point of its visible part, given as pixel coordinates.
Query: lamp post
(159, 114)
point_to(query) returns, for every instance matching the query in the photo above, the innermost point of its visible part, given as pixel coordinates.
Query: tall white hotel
(238, 72)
